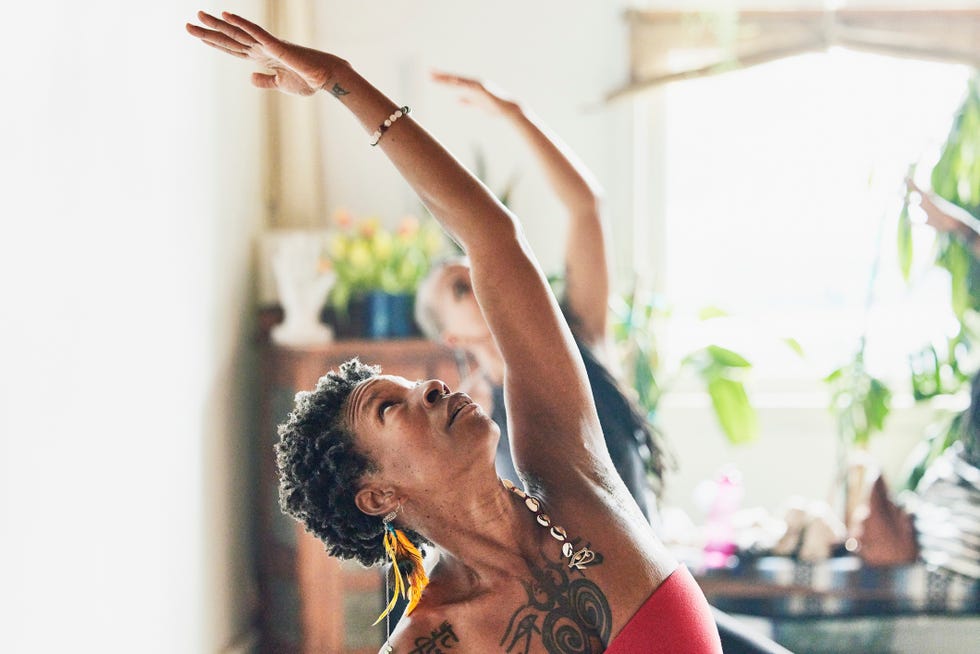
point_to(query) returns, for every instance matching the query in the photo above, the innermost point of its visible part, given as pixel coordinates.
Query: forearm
(503, 268)
(586, 267)
(573, 184)
(462, 204)
(967, 227)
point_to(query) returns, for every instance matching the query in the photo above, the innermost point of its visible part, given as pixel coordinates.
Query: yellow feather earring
(400, 548)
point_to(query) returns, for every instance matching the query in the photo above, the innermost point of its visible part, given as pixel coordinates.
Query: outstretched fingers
(217, 39)
(250, 28)
(475, 90)
(455, 80)
(227, 29)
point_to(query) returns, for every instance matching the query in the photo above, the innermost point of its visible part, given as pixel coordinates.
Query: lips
(457, 402)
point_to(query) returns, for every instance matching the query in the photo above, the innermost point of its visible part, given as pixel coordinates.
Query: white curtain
(296, 189)
(131, 189)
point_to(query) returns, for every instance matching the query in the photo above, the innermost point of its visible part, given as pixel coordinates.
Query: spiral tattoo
(570, 616)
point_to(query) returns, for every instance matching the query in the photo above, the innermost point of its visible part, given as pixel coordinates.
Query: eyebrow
(359, 401)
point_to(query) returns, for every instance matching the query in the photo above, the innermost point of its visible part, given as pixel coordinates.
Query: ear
(374, 500)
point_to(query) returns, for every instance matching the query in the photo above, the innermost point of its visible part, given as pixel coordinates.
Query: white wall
(131, 194)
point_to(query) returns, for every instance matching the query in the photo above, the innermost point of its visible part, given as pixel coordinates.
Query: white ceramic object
(302, 288)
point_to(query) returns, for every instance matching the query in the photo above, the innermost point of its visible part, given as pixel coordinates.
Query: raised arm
(586, 264)
(946, 217)
(549, 402)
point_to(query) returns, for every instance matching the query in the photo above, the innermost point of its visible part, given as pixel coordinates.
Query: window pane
(780, 181)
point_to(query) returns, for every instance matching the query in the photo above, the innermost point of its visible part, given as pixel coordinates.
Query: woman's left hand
(478, 92)
(295, 69)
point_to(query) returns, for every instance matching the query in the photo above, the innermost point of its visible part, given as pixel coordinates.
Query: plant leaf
(727, 358)
(735, 413)
(707, 313)
(794, 345)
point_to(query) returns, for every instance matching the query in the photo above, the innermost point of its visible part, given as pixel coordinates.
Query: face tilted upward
(418, 434)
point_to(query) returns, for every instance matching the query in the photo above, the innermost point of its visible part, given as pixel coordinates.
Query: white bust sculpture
(302, 285)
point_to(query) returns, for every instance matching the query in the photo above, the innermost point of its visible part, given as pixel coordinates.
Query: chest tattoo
(566, 611)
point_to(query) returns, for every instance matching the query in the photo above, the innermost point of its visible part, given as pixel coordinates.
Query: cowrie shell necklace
(578, 559)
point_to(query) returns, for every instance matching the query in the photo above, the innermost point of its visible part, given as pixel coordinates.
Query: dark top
(627, 435)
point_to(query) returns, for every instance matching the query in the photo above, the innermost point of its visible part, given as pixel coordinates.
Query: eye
(384, 406)
(460, 288)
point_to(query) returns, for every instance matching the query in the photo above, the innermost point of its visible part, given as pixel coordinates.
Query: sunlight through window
(783, 184)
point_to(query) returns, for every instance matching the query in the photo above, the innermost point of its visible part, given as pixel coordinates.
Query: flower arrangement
(368, 257)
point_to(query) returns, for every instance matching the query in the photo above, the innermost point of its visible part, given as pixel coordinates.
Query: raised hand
(477, 92)
(936, 217)
(295, 69)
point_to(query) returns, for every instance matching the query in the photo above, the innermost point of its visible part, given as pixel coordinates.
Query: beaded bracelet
(389, 121)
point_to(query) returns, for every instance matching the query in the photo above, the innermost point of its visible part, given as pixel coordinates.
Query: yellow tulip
(338, 247)
(382, 244)
(359, 255)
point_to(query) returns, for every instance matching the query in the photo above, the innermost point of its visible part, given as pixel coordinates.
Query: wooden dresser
(312, 603)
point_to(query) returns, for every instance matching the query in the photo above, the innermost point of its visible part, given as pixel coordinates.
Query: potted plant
(378, 272)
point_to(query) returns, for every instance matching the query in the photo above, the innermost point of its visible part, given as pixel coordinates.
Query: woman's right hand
(295, 69)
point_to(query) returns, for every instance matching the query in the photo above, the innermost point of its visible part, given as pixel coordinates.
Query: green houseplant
(722, 371)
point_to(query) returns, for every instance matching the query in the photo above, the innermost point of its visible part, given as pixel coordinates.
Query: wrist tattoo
(338, 91)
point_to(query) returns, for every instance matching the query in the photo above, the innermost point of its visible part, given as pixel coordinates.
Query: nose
(432, 390)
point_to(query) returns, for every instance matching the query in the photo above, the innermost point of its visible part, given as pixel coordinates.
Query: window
(779, 182)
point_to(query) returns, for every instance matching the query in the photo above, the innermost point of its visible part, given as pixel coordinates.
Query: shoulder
(473, 624)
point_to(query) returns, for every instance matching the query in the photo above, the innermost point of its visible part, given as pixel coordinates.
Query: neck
(481, 534)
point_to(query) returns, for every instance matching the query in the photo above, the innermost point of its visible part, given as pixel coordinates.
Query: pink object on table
(719, 544)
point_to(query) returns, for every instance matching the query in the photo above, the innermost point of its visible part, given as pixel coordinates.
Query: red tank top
(676, 619)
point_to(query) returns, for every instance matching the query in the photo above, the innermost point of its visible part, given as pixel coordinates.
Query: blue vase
(389, 315)
(402, 315)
